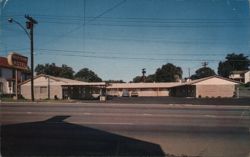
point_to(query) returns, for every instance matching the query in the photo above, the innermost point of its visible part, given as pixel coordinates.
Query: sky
(118, 38)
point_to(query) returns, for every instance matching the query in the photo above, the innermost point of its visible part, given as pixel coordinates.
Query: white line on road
(210, 116)
(86, 113)
(147, 114)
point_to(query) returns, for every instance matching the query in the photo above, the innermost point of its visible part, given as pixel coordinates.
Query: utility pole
(48, 77)
(189, 73)
(143, 75)
(30, 25)
(16, 84)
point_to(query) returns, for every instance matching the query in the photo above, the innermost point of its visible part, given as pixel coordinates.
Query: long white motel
(14, 81)
(213, 86)
(61, 88)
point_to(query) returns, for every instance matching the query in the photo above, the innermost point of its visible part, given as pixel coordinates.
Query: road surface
(103, 129)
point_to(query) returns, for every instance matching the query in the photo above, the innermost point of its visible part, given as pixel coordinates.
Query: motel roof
(64, 81)
(142, 85)
(167, 84)
(194, 82)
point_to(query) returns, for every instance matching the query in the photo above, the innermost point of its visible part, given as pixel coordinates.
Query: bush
(247, 84)
(11, 96)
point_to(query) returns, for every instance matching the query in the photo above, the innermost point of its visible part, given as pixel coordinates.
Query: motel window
(0, 72)
(43, 89)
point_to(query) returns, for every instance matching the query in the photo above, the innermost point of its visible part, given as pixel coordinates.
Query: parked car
(134, 94)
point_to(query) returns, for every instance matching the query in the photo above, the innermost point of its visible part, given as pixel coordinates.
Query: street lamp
(29, 25)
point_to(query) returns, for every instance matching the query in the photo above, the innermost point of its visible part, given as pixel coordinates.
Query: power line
(108, 10)
(79, 18)
(96, 17)
(166, 53)
(124, 58)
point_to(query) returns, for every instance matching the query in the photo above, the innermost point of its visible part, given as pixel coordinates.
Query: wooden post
(16, 84)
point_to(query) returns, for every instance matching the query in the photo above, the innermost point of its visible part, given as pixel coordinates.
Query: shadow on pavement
(54, 137)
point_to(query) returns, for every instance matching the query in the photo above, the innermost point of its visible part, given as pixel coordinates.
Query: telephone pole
(143, 75)
(30, 25)
(189, 73)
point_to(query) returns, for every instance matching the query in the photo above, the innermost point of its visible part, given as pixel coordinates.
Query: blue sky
(117, 38)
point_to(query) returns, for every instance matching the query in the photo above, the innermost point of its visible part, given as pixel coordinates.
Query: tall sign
(18, 61)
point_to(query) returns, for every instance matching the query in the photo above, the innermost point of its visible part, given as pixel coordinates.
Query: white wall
(55, 88)
(6, 75)
(247, 77)
(215, 81)
(38, 94)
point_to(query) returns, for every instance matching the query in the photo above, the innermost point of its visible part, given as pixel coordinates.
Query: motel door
(65, 93)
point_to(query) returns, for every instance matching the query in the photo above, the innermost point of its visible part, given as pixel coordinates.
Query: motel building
(241, 76)
(13, 70)
(213, 86)
(50, 87)
(208, 87)
(140, 89)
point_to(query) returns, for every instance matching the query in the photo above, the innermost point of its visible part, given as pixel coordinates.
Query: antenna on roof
(204, 64)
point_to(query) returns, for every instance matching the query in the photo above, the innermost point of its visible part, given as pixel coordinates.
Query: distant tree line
(67, 72)
(172, 73)
(166, 73)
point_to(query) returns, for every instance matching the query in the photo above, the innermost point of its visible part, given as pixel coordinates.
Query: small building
(50, 87)
(213, 86)
(12, 69)
(241, 76)
(140, 89)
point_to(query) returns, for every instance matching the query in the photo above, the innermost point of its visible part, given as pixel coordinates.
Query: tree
(137, 79)
(233, 62)
(224, 69)
(203, 72)
(168, 73)
(114, 81)
(66, 72)
(87, 75)
(150, 78)
(53, 70)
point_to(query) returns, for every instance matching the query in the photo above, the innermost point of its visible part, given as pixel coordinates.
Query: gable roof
(65, 81)
(142, 85)
(207, 78)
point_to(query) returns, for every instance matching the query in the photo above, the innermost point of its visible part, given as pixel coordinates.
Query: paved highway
(124, 129)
